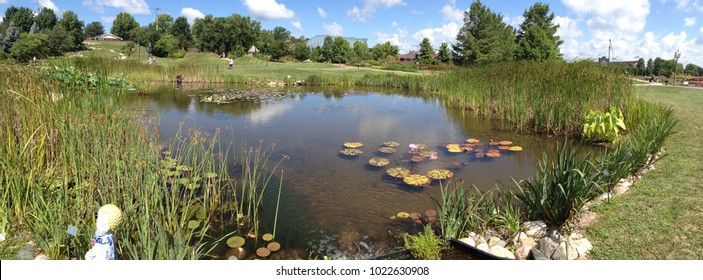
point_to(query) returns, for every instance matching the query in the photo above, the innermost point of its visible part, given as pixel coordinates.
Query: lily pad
(515, 148)
(351, 152)
(273, 246)
(493, 143)
(263, 252)
(422, 146)
(398, 172)
(235, 241)
(440, 174)
(450, 146)
(417, 158)
(267, 237)
(353, 145)
(455, 150)
(386, 150)
(193, 224)
(493, 154)
(379, 162)
(415, 215)
(393, 217)
(416, 180)
(403, 215)
(391, 144)
(473, 141)
(503, 148)
(506, 143)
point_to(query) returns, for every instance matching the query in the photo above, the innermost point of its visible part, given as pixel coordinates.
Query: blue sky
(637, 28)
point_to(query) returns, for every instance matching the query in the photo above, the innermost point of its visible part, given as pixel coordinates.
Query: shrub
(425, 246)
(602, 126)
(560, 188)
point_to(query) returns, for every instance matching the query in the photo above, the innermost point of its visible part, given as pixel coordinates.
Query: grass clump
(426, 245)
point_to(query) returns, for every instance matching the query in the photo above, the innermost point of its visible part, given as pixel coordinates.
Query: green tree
(278, 48)
(181, 30)
(341, 50)
(426, 55)
(46, 19)
(301, 52)
(94, 29)
(361, 50)
(650, 67)
(640, 67)
(659, 67)
(443, 55)
(327, 48)
(30, 46)
(693, 70)
(124, 25)
(164, 23)
(241, 32)
(484, 38)
(59, 41)
(23, 18)
(383, 51)
(128, 49)
(537, 39)
(208, 33)
(69, 21)
(12, 35)
(166, 46)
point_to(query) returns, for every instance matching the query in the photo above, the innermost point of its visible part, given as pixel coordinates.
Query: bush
(560, 188)
(602, 126)
(425, 246)
(178, 54)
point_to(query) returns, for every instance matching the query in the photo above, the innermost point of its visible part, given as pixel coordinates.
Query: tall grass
(62, 158)
(461, 210)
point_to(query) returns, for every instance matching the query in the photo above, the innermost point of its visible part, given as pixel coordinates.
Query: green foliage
(128, 49)
(484, 38)
(443, 55)
(536, 38)
(461, 210)
(400, 67)
(384, 52)
(219, 34)
(602, 126)
(74, 27)
(181, 30)
(94, 29)
(22, 17)
(426, 55)
(560, 188)
(60, 41)
(30, 46)
(424, 246)
(46, 19)
(124, 26)
(75, 79)
(340, 51)
(167, 45)
(301, 51)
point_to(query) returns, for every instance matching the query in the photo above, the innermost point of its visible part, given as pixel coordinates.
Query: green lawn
(662, 216)
(256, 68)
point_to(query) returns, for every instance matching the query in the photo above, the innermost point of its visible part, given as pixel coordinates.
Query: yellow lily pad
(506, 143)
(379, 162)
(416, 180)
(440, 174)
(235, 241)
(267, 237)
(473, 141)
(403, 215)
(455, 150)
(353, 145)
(351, 152)
(398, 172)
(515, 148)
(450, 146)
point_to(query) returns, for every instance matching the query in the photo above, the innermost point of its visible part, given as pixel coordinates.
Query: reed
(461, 211)
(69, 147)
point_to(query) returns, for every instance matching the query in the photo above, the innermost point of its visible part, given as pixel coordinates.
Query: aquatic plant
(386, 150)
(398, 172)
(353, 145)
(379, 162)
(351, 152)
(426, 245)
(440, 174)
(603, 126)
(416, 180)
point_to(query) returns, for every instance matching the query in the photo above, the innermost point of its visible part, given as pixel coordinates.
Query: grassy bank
(69, 147)
(662, 216)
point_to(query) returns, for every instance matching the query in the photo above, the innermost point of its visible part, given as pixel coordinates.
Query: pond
(339, 206)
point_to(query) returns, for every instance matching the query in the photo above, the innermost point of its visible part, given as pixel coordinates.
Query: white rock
(575, 236)
(2, 237)
(41, 257)
(582, 246)
(500, 251)
(495, 241)
(562, 253)
(534, 228)
(528, 242)
(519, 237)
(469, 241)
(620, 189)
(483, 247)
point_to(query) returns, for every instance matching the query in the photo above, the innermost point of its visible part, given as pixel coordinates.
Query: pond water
(338, 206)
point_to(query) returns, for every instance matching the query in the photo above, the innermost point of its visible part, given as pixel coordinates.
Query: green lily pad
(387, 150)
(235, 241)
(351, 152)
(267, 237)
(391, 144)
(353, 145)
(193, 224)
(210, 175)
(416, 180)
(398, 172)
(379, 162)
(439, 174)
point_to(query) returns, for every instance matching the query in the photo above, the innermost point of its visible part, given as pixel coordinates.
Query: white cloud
(514, 21)
(191, 14)
(369, 8)
(323, 13)
(3, 2)
(108, 20)
(334, 29)
(138, 7)
(397, 39)
(297, 25)
(691, 21)
(700, 37)
(48, 4)
(568, 28)
(445, 34)
(450, 13)
(609, 17)
(268, 10)
(394, 24)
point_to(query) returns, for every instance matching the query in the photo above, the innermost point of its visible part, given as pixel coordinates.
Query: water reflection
(338, 206)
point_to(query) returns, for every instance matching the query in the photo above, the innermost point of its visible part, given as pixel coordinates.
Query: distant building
(410, 57)
(252, 51)
(107, 37)
(319, 40)
(606, 61)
